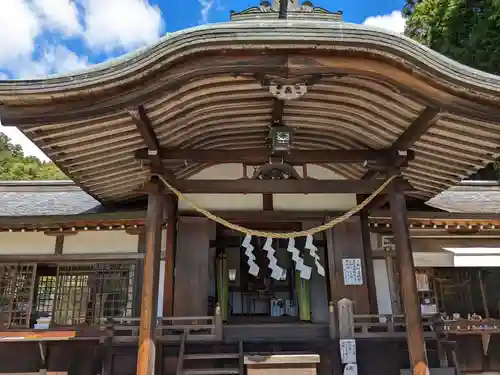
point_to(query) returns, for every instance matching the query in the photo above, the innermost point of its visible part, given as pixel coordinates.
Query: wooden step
(212, 356)
(212, 371)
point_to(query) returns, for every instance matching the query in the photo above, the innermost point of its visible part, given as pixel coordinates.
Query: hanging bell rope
(258, 233)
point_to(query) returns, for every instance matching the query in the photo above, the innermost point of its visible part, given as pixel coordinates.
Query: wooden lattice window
(91, 293)
(16, 292)
(66, 293)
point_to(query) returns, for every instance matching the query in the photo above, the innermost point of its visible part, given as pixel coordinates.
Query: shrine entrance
(270, 290)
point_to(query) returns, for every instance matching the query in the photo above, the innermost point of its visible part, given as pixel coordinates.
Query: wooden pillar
(415, 335)
(149, 301)
(170, 249)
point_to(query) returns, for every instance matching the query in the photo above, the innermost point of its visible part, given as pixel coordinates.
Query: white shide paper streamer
(305, 271)
(313, 252)
(253, 268)
(277, 271)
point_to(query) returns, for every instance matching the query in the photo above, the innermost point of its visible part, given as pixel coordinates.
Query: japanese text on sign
(353, 272)
(348, 350)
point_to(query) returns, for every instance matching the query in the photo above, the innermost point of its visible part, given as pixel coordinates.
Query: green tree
(14, 165)
(467, 31)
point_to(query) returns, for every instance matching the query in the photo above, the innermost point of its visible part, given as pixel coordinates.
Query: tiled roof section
(469, 196)
(45, 198)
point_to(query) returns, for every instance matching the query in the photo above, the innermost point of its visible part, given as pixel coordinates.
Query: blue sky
(47, 37)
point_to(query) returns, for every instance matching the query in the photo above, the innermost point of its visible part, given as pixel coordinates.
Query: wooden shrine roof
(469, 196)
(202, 88)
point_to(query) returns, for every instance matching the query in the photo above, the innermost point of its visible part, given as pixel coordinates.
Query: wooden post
(146, 354)
(411, 303)
(170, 248)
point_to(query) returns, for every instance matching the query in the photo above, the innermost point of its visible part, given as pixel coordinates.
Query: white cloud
(59, 15)
(22, 24)
(19, 26)
(34, 32)
(206, 6)
(121, 24)
(19, 138)
(393, 22)
(54, 59)
(62, 60)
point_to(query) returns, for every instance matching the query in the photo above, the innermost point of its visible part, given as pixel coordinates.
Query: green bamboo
(304, 298)
(223, 286)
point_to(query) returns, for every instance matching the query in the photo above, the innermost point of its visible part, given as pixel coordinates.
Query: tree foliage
(14, 165)
(467, 31)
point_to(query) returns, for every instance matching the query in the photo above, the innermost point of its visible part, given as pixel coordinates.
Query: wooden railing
(195, 328)
(366, 326)
(385, 326)
(126, 330)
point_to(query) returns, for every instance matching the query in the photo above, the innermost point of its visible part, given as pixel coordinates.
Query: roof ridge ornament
(292, 9)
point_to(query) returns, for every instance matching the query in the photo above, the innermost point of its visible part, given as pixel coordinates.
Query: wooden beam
(418, 128)
(278, 109)
(148, 135)
(411, 135)
(411, 302)
(309, 186)
(145, 127)
(149, 299)
(261, 155)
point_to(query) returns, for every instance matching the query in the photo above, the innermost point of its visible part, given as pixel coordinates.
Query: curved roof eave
(201, 88)
(270, 34)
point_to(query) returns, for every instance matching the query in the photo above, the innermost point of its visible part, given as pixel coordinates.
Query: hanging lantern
(281, 139)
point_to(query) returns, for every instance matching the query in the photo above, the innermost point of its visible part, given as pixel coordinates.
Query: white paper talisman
(348, 350)
(353, 271)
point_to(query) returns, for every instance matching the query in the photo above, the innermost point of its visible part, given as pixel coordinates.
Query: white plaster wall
(26, 243)
(298, 202)
(161, 289)
(101, 242)
(382, 286)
